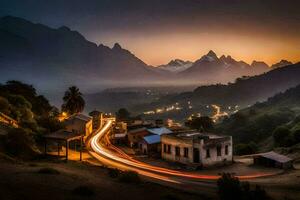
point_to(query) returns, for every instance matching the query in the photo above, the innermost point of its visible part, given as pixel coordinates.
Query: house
(159, 131)
(273, 159)
(136, 135)
(79, 124)
(119, 135)
(97, 119)
(150, 145)
(197, 149)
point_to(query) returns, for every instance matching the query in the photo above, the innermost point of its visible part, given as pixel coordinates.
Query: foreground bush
(230, 188)
(19, 142)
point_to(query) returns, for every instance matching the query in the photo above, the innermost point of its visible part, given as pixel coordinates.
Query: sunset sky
(158, 31)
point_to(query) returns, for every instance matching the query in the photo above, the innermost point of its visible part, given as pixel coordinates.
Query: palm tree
(73, 101)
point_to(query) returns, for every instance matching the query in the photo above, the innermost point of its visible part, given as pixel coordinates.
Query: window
(177, 151)
(186, 152)
(169, 149)
(226, 150)
(165, 148)
(219, 150)
(207, 153)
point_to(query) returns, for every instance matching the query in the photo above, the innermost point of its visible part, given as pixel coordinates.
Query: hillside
(243, 93)
(36, 52)
(258, 122)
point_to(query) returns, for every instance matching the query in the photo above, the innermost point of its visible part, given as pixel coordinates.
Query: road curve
(104, 151)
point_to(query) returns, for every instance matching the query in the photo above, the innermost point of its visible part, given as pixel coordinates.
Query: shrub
(19, 142)
(113, 173)
(129, 177)
(296, 136)
(48, 170)
(229, 187)
(245, 149)
(281, 135)
(83, 191)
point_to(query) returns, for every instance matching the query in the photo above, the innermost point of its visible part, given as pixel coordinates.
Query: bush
(114, 173)
(296, 136)
(229, 188)
(245, 149)
(281, 136)
(129, 177)
(48, 170)
(19, 142)
(83, 191)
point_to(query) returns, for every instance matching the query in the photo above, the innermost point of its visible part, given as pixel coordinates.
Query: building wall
(200, 145)
(214, 158)
(134, 138)
(177, 143)
(80, 126)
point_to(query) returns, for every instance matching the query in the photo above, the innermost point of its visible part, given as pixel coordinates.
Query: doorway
(196, 155)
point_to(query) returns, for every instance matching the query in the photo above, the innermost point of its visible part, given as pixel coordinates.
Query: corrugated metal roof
(152, 139)
(159, 131)
(137, 130)
(275, 156)
(80, 117)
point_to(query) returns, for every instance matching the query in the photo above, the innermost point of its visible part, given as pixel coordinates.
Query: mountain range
(245, 91)
(55, 58)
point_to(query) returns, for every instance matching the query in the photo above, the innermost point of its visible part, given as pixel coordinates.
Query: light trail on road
(101, 145)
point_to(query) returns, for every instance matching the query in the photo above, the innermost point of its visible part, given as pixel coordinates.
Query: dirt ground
(22, 181)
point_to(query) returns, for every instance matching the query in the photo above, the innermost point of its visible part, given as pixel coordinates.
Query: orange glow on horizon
(160, 48)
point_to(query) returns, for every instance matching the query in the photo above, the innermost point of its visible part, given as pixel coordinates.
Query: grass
(83, 191)
(48, 170)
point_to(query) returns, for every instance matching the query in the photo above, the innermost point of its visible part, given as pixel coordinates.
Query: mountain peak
(210, 56)
(281, 63)
(64, 28)
(211, 53)
(117, 46)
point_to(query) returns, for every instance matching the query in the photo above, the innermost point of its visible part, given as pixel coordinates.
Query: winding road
(107, 153)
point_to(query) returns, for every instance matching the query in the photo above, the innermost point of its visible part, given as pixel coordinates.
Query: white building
(79, 124)
(197, 149)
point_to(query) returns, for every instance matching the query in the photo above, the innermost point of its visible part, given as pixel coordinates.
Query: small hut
(273, 159)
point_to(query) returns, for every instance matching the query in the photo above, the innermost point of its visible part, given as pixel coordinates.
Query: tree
(123, 114)
(229, 187)
(73, 101)
(281, 135)
(245, 149)
(296, 136)
(200, 123)
(4, 106)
